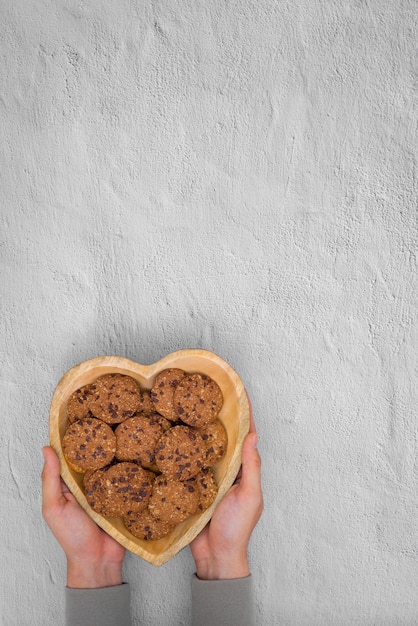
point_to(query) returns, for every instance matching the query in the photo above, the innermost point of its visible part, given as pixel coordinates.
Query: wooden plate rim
(63, 390)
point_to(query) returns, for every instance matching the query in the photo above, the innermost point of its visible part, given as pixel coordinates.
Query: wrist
(81, 575)
(223, 567)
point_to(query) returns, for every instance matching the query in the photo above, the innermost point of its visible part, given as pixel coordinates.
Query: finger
(51, 479)
(252, 423)
(251, 466)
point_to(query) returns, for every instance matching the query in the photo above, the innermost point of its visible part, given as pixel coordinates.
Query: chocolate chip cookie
(117, 397)
(215, 439)
(145, 526)
(88, 444)
(78, 403)
(146, 404)
(207, 487)
(136, 439)
(173, 500)
(197, 400)
(162, 391)
(179, 452)
(119, 489)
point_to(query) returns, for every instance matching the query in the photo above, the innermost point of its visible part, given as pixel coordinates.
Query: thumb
(251, 465)
(51, 480)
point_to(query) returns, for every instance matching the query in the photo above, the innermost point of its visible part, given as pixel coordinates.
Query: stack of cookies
(146, 455)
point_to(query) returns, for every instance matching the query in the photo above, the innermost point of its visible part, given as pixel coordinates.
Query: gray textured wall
(239, 176)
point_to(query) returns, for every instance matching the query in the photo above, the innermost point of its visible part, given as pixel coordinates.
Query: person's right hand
(94, 559)
(220, 549)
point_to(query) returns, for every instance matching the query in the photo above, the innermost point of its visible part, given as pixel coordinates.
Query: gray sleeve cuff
(226, 602)
(107, 606)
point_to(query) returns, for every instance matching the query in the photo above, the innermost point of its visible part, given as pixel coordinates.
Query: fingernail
(254, 440)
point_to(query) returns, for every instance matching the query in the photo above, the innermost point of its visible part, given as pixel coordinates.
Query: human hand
(220, 549)
(94, 559)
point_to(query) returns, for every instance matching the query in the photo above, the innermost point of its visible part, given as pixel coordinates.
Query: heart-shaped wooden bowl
(234, 415)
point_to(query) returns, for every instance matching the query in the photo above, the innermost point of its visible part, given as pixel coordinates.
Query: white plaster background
(239, 176)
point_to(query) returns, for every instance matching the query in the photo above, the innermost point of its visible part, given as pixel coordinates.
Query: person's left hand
(94, 559)
(220, 549)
